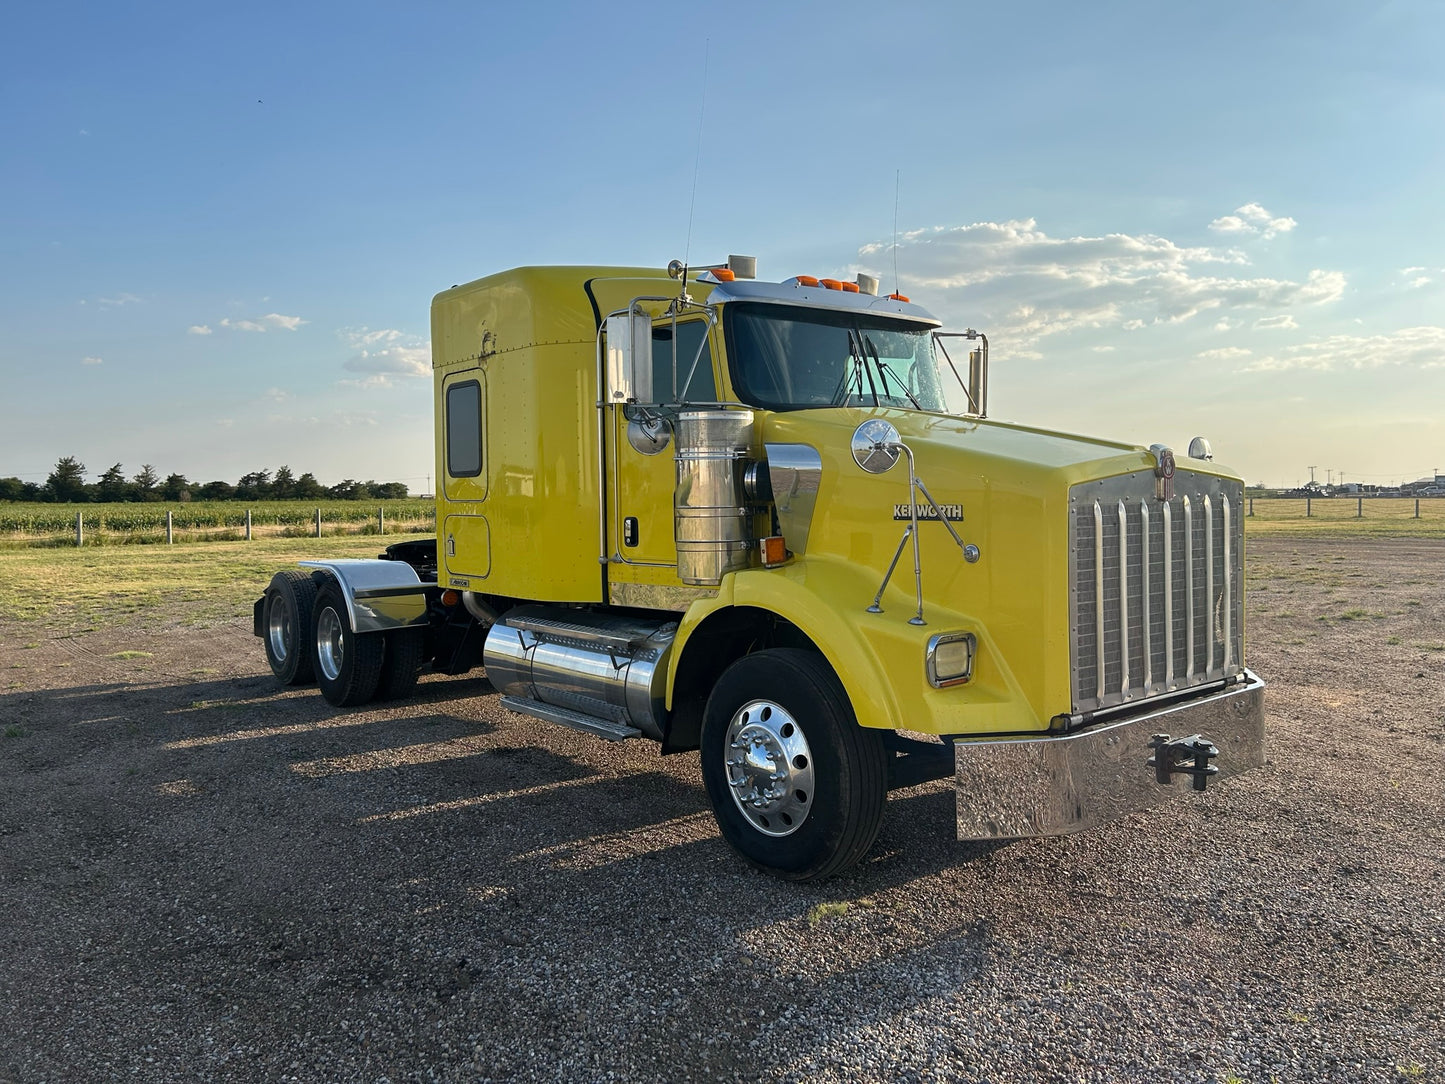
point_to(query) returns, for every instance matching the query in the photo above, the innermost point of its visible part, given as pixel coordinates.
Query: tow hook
(1173, 755)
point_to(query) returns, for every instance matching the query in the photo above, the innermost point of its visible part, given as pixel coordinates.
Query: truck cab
(773, 522)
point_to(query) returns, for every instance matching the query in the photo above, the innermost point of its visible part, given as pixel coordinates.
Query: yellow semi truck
(773, 522)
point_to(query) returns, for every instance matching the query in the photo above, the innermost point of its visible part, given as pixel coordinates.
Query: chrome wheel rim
(769, 767)
(281, 629)
(330, 645)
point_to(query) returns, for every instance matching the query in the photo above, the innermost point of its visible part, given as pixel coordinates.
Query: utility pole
(1312, 475)
(1328, 475)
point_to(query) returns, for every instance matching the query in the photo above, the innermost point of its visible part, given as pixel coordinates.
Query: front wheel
(796, 784)
(348, 665)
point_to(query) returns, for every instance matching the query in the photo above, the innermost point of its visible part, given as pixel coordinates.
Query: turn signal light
(774, 550)
(806, 280)
(451, 598)
(898, 297)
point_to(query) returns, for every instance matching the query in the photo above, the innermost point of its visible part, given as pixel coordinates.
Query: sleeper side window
(464, 429)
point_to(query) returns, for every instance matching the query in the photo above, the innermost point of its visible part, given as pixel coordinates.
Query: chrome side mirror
(629, 358)
(875, 446)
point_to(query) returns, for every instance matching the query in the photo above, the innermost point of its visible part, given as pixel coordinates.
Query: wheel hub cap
(329, 643)
(770, 768)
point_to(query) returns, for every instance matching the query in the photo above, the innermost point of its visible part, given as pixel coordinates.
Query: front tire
(286, 618)
(348, 665)
(796, 785)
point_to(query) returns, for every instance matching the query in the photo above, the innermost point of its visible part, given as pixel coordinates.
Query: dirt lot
(204, 877)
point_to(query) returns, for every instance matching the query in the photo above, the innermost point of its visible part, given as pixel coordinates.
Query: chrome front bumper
(1012, 788)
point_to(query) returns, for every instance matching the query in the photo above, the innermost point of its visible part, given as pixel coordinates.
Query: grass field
(25, 524)
(102, 584)
(1345, 517)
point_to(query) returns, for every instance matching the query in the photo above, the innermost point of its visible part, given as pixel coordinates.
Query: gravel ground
(203, 877)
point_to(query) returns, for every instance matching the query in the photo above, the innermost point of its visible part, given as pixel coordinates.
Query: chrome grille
(1156, 588)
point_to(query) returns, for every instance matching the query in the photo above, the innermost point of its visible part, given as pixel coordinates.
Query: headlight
(950, 658)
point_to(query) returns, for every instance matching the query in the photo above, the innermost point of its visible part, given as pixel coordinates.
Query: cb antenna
(897, 184)
(696, 162)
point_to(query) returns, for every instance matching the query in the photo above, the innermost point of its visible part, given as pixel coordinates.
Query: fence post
(1359, 507)
(318, 522)
(80, 525)
(381, 520)
(1417, 507)
(248, 525)
(170, 537)
(1308, 513)
(1251, 506)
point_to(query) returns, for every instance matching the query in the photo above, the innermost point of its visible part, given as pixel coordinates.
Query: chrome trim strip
(1228, 588)
(1209, 581)
(1168, 595)
(1144, 594)
(1099, 595)
(1123, 599)
(1189, 587)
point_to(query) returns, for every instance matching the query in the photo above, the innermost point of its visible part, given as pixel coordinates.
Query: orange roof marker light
(806, 280)
(830, 284)
(898, 297)
(849, 287)
(722, 274)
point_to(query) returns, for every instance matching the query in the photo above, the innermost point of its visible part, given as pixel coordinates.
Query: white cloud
(1411, 348)
(198, 329)
(264, 323)
(92, 361)
(1224, 323)
(85, 131)
(118, 301)
(384, 355)
(1285, 322)
(277, 395)
(1026, 285)
(1252, 218)
(1224, 353)
(1408, 271)
(1102, 349)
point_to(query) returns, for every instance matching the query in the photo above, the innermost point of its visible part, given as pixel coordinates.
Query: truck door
(464, 535)
(644, 472)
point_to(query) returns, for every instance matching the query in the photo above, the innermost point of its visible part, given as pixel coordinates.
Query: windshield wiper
(856, 371)
(883, 373)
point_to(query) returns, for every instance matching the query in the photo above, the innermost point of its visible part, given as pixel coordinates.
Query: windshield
(790, 358)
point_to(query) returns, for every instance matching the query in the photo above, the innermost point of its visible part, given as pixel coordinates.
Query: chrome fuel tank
(601, 665)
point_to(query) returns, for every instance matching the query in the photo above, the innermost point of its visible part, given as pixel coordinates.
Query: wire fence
(27, 525)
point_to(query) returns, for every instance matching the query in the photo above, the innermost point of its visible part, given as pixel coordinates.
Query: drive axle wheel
(796, 784)
(286, 618)
(348, 665)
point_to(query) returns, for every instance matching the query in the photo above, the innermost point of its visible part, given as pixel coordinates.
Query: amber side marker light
(774, 550)
(451, 598)
(806, 280)
(830, 284)
(848, 287)
(722, 274)
(898, 297)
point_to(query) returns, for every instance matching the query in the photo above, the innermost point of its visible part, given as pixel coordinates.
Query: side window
(464, 429)
(695, 383)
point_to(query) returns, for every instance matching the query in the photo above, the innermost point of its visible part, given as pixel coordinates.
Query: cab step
(603, 728)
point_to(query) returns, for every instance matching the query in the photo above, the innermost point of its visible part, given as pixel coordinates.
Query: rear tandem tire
(796, 784)
(348, 664)
(401, 665)
(286, 621)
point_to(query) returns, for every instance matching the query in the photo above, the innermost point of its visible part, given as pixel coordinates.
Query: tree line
(67, 484)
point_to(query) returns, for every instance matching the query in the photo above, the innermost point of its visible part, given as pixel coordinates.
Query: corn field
(25, 524)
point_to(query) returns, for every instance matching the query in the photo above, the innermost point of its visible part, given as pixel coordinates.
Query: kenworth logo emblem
(952, 512)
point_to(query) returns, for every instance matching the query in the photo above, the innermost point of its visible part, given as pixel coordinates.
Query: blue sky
(220, 229)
